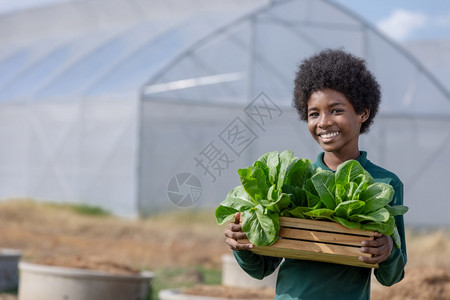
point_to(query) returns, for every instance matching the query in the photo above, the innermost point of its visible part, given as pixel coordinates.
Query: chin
(328, 148)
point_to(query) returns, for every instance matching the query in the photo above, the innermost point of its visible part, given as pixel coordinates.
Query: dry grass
(427, 273)
(59, 235)
(428, 248)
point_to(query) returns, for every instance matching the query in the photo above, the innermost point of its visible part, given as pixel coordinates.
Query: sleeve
(392, 270)
(257, 266)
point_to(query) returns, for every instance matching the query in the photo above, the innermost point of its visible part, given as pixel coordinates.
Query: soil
(57, 235)
(221, 291)
(421, 283)
(424, 283)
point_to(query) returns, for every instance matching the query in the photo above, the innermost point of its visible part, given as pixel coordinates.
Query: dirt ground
(53, 235)
(58, 235)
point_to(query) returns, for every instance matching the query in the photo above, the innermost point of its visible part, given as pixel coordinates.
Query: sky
(402, 20)
(405, 20)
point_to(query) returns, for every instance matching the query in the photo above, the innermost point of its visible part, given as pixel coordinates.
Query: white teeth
(329, 135)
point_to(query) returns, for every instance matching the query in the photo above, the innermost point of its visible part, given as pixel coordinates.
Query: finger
(379, 253)
(372, 244)
(385, 242)
(236, 246)
(376, 234)
(377, 242)
(236, 235)
(234, 227)
(237, 218)
(375, 251)
(377, 247)
(373, 259)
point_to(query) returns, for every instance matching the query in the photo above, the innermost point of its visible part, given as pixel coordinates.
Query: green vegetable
(283, 185)
(263, 195)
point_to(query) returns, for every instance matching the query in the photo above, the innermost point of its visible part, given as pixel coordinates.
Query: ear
(364, 115)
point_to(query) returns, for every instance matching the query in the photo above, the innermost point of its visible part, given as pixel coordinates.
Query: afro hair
(342, 72)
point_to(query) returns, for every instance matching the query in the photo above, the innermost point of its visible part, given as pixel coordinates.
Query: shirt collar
(362, 159)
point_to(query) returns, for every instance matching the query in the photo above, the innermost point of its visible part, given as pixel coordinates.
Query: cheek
(312, 127)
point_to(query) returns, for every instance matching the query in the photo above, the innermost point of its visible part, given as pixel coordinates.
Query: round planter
(9, 275)
(234, 276)
(216, 292)
(41, 282)
(176, 294)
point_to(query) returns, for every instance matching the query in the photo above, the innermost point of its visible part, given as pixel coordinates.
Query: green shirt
(302, 279)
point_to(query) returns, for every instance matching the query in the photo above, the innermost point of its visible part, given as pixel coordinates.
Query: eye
(337, 111)
(313, 114)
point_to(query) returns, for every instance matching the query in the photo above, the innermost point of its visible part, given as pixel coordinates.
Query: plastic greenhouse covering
(156, 108)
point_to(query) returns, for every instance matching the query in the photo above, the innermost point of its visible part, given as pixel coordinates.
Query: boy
(338, 97)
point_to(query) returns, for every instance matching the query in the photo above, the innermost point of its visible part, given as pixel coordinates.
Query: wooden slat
(317, 247)
(321, 225)
(318, 241)
(316, 256)
(325, 237)
(295, 245)
(313, 251)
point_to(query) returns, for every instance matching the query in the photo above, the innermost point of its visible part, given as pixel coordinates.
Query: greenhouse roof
(116, 56)
(190, 50)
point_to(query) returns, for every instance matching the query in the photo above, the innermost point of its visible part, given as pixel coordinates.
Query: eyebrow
(336, 104)
(331, 105)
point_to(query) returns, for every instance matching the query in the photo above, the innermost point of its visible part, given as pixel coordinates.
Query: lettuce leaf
(324, 183)
(263, 196)
(283, 185)
(260, 225)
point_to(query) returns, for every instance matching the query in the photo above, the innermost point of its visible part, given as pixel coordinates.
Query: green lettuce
(351, 197)
(283, 185)
(266, 190)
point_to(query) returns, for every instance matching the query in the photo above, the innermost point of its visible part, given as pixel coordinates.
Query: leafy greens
(283, 185)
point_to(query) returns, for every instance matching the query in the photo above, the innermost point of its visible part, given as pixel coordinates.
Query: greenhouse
(141, 106)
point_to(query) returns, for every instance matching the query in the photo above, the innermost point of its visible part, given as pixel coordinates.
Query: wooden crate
(319, 241)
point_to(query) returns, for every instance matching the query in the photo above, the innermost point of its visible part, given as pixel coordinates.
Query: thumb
(237, 218)
(377, 234)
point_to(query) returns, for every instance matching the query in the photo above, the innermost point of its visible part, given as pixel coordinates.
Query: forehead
(327, 98)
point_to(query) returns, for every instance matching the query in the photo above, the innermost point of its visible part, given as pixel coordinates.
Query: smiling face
(334, 124)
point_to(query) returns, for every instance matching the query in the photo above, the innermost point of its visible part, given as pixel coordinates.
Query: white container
(9, 274)
(175, 294)
(234, 276)
(41, 282)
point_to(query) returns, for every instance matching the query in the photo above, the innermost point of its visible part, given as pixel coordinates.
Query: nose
(325, 120)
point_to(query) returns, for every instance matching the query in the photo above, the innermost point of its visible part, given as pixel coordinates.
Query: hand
(380, 248)
(234, 233)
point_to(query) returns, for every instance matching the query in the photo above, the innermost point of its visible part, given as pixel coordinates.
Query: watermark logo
(184, 190)
(237, 137)
(263, 110)
(219, 154)
(213, 160)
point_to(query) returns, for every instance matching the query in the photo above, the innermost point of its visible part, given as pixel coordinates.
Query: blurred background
(143, 107)
(106, 102)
